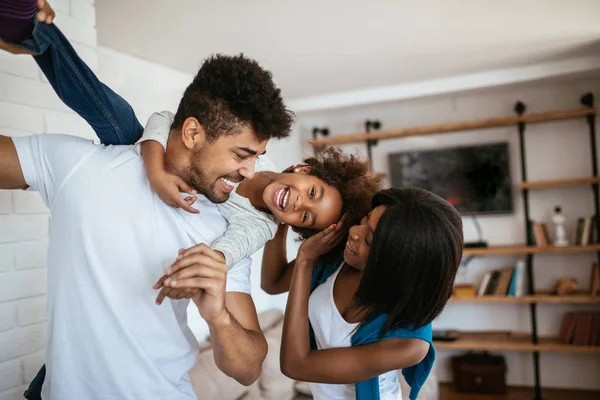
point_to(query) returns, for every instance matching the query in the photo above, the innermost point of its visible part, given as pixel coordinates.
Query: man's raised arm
(11, 174)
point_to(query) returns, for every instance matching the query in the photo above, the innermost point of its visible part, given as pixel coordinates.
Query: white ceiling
(320, 47)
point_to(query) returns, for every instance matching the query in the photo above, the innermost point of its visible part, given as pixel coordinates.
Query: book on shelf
(491, 287)
(504, 282)
(520, 277)
(595, 281)
(539, 234)
(509, 281)
(484, 283)
(580, 329)
(513, 282)
(585, 231)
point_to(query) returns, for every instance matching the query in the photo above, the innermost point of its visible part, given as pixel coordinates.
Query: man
(111, 238)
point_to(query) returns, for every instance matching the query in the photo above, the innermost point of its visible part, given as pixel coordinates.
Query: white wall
(554, 150)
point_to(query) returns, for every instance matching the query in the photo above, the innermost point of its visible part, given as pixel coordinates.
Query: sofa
(210, 383)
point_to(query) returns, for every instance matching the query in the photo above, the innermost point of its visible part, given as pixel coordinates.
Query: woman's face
(303, 200)
(360, 239)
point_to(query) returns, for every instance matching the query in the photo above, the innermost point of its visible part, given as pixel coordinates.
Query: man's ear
(192, 133)
(302, 169)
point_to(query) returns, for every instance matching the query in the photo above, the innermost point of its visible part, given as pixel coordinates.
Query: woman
(369, 312)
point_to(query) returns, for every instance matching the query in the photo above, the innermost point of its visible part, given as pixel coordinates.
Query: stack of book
(585, 232)
(580, 329)
(509, 281)
(539, 234)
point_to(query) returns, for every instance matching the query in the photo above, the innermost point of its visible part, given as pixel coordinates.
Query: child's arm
(152, 146)
(276, 271)
(337, 365)
(248, 230)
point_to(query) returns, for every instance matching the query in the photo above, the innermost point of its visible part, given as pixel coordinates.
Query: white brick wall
(28, 105)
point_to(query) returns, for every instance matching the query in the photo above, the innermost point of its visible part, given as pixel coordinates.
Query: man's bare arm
(239, 347)
(11, 174)
(239, 344)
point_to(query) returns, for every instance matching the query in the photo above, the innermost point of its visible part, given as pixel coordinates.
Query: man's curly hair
(231, 92)
(352, 177)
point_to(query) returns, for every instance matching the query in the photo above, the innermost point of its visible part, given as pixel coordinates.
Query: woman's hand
(323, 242)
(168, 188)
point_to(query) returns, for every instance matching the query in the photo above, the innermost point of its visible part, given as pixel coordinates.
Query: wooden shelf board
(521, 249)
(519, 393)
(554, 183)
(456, 127)
(579, 298)
(520, 342)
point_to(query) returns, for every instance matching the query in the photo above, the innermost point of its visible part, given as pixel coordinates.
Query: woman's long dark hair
(415, 253)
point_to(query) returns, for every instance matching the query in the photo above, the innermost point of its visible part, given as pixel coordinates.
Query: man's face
(215, 167)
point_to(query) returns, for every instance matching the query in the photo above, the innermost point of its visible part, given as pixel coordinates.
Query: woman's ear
(302, 169)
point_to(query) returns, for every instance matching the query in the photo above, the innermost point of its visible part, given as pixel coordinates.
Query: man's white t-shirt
(111, 238)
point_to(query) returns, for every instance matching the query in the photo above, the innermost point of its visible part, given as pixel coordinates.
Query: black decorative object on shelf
(320, 131)
(316, 131)
(371, 125)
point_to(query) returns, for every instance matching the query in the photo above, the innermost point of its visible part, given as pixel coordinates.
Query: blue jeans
(111, 117)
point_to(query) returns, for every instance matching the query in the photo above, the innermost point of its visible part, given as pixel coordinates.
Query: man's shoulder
(56, 140)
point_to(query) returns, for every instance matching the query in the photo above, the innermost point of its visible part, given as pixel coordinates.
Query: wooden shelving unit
(579, 298)
(457, 127)
(556, 183)
(521, 342)
(447, 392)
(530, 342)
(523, 249)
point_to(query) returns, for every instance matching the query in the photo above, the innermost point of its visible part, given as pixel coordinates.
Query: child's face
(303, 200)
(360, 239)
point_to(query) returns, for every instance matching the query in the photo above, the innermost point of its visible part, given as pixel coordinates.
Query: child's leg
(34, 392)
(111, 117)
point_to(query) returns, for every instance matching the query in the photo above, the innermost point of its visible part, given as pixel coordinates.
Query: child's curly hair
(351, 176)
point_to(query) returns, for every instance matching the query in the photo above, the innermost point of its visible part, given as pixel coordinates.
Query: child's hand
(46, 13)
(14, 49)
(323, 242)
(168, 186)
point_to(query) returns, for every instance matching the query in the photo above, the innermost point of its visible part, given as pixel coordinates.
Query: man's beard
(198, 180)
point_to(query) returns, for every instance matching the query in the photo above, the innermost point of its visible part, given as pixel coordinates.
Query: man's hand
(200, 273)
(168, 188)
(322, 242)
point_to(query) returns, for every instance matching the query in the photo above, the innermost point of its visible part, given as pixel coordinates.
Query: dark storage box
(479, 373)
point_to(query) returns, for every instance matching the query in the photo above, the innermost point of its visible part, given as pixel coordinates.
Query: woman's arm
(337, 365)
(276, 271)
